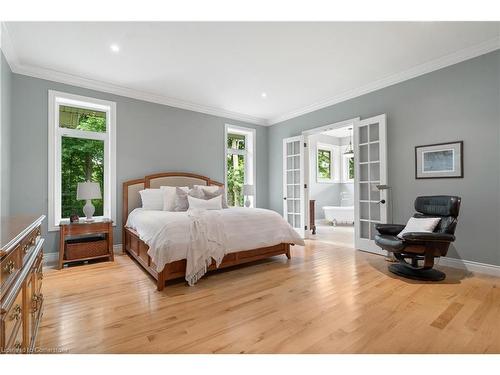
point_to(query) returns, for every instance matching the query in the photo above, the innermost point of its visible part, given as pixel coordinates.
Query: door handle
(382, 201)
(284, 198)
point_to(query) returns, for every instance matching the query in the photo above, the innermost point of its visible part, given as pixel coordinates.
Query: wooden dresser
(21, 295)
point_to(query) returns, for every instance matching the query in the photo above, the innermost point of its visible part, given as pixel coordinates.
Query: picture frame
(439, 160)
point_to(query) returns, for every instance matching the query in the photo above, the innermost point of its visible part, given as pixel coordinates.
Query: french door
(293, 182)
(370, 194)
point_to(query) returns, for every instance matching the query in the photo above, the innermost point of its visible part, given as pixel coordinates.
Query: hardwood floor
(326, 299)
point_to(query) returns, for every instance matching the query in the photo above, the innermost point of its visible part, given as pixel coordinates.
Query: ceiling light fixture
(263, 95)
(115, 47)
(349, 150)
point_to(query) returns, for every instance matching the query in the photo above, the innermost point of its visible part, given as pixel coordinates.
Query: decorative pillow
(205, 204)
(181, 198)
(152, 199)
(169, 195)
(426, 225)
(213, 191)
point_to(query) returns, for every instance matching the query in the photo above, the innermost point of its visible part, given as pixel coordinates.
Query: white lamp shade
(88, 190)
(248, 190)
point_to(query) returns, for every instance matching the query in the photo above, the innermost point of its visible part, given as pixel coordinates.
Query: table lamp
(248, 191)
(87, 191)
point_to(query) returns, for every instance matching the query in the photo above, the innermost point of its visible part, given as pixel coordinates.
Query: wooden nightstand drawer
(83, 241)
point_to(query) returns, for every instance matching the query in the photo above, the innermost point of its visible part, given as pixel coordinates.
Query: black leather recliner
(416, 247)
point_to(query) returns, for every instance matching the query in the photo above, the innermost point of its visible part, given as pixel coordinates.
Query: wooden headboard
(132, 199)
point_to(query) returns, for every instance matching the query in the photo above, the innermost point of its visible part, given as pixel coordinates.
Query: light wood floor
(326, 299)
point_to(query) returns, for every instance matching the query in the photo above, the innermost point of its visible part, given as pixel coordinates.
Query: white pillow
(427, 225)
(208, 188)
(152, 199)
(169, 196)
(205, 204)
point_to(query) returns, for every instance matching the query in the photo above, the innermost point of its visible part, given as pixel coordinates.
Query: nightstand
(85, 240)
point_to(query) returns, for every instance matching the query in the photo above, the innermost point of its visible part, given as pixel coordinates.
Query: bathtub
(336, 214)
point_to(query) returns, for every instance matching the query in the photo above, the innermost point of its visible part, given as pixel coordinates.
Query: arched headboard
(131, 188)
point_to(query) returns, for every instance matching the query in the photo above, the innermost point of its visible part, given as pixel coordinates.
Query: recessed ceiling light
(115, 47)
(263, 95)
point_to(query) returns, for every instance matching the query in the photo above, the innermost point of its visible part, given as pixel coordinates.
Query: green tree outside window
(324, 164)
(81, 159)
(235, 170)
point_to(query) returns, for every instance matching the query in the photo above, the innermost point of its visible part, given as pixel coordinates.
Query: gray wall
(460, 102)
(150, 138)
(5, 134)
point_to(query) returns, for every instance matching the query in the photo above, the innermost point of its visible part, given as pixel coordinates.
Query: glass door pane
(371, 165)
(292, 182)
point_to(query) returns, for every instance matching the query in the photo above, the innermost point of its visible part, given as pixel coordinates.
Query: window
(348, 168)
(324, 164)
(325, 171)
(239, 164)
(81, 148)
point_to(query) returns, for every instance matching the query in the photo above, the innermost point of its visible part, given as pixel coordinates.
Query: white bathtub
(337, 214)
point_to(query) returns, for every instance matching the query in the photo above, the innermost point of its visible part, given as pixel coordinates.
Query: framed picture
(441, 160)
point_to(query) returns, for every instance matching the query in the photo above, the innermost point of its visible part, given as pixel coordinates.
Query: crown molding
(428, 67)
(74, 80)
(56, 76)
(110, 88)
(6, 46)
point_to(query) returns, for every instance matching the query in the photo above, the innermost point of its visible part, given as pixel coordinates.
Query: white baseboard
(468, 265)
(50, 259)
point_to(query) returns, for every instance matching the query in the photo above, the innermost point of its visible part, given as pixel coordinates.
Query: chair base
(417, 274)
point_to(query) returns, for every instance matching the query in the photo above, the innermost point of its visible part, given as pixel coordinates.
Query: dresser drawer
(29, 243)
(9, 268)
(13, 316)
(15, 344)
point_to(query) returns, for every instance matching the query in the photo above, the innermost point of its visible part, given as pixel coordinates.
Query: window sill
(327, 181)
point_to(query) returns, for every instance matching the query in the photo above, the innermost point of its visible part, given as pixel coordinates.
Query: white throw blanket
(208, 242)
(200, 236)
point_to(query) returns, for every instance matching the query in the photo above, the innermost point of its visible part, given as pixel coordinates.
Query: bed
(266, 234)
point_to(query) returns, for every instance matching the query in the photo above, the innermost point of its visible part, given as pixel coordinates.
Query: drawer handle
(9, 267)
(25, 248)
(16, 314)
(36, 299)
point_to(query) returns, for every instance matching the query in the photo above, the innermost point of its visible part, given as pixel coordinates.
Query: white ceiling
(223, 68)
(339, 132)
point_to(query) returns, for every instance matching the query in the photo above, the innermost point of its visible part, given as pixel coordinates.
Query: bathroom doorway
(365, 188)
(330, 183)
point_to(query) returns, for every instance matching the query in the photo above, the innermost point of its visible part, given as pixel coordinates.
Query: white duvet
(200, 236)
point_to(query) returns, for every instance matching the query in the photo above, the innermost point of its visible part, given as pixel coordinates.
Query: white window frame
(334, 165)
(345, 168)
(56, 99)
(249, 154)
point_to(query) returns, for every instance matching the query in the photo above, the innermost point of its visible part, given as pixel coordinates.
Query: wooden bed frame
(138, 250)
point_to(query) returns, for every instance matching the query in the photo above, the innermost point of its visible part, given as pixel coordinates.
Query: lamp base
(89, 210)
(247, 203)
